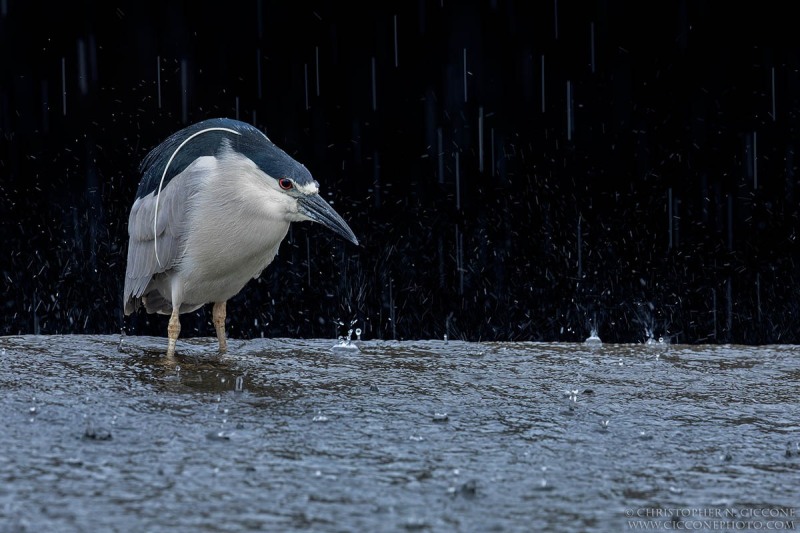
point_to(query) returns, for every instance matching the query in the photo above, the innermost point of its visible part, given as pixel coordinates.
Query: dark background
(629, 165)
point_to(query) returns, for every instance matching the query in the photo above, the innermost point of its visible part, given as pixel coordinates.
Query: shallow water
(285, 435)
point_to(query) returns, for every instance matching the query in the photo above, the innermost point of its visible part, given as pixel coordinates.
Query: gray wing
(168, 233)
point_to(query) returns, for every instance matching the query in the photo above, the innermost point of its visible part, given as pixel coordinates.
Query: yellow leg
(219, 324)
(173, 330)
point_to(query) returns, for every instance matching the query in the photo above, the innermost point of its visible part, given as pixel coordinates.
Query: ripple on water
(284, 434)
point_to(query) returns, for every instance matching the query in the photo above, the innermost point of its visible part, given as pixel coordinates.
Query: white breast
(235, 225)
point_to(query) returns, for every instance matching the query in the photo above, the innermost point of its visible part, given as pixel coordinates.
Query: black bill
(318, 210)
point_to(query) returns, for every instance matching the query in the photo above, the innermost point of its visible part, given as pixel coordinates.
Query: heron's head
(287, 188)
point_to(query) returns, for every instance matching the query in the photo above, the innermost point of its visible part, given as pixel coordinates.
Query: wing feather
(169, 234)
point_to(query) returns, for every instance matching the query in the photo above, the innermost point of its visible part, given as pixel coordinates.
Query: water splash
(346, 344)
(652, 340)
(593, 338)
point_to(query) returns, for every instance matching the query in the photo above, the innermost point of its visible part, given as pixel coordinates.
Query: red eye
(285, 183)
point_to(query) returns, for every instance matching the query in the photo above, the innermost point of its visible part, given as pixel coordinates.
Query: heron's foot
(218, 315)
(173, 330)
(171, 349)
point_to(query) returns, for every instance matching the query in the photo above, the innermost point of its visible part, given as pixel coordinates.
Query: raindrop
(730, 222)
(714, 310)
(480, 139)
(491, 130)
(729, 290)
(669, 216)
(555, 19)
(158, 80)
(580, 246)
(184, 90)
(308, 259)
(458, 181)
(374, 88)
(83, 76)
(774, 117)
(358, 334)
(460, 260)
(569, 110)
(755, 160)
(64, 84)
(465, 75)
(543, 83)
(376, 171)
(239, 386)
(391, 309)
(440, 152)
(260, 18)
(758, 294)
(395, 42)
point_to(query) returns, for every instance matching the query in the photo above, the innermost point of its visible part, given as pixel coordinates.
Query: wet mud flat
(297, 435)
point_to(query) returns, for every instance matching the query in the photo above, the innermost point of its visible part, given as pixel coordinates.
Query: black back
(210, 137)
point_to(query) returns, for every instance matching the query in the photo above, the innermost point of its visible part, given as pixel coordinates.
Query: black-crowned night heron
(215, 201)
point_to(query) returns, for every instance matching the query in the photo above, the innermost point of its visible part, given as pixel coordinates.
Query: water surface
(292, 435)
